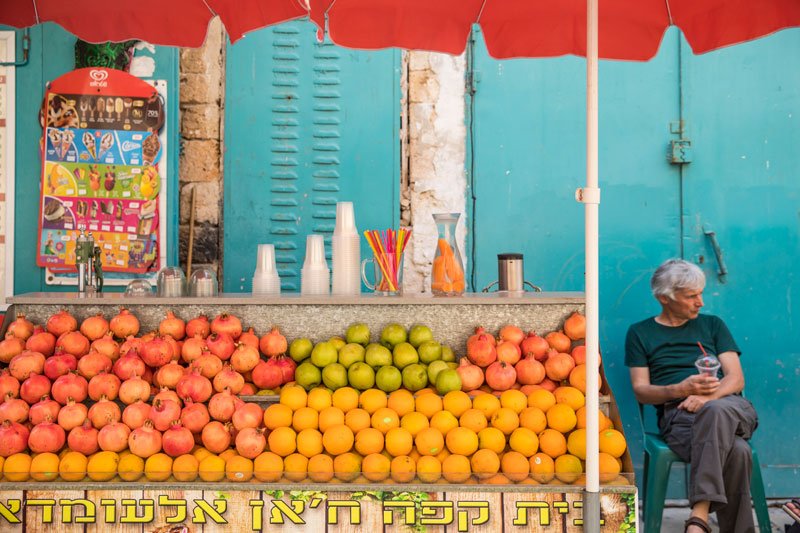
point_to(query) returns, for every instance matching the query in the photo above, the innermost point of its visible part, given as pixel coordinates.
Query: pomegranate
(512, 334)
(70, 385)
(508, 352)
(471, 375)
(247, 415)
(47, 437)
(478, 332)
(249, 338)
(11, 347)
(500, 376)
(135, 414)
(228, 378)
(168, 394)
(195, 386)
(267, 375)
(157, 353)
(222, 405)
(75, 343)
(169, 375)
(42, 409)
(177, 440)
(8, 384)
(33, 388)
(287, 367)
(13, 438)
(106, 345)
(249, 389)
(198, 326)
(482, 351)
(25, 364)
(244, 358)
(192, 348)
(14, 409)
(163, 413)
(72, 415)
(129, 365)
(273, 343)
(132, 344)
(559, 366)
(536, 345)
(216, 437)
(21, 327)
(529, 370)
(41, 341)
(113, 437)
(195, 416)
(60, 323)
(228, 324)
(124, 324)
(175, 346)
(104, 384)
(172, 326)
(575, 326)
(221, 345)
(145, 440)
(548, 384)
(104, 412)
(83, 438)
(250, 442)
(209, 364)
(59, 364)
(134, 389)
(93, 363)
(558, 341)
(94, 327)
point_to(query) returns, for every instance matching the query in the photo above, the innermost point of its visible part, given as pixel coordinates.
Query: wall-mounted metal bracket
(723, 270)
(588, 195)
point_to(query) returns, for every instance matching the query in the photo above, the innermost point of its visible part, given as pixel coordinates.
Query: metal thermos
(510, 272)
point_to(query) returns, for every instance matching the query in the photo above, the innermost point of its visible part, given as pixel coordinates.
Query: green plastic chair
(658, 459)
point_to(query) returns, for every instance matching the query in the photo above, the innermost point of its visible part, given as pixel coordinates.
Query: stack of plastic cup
(315, 276)
(266, 279)
(346, 248)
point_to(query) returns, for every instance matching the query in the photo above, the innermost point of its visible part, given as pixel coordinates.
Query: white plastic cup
(314, 281)
(315, 252)
(345, 219)
(266, 258)
(346, 263)
(269, 283)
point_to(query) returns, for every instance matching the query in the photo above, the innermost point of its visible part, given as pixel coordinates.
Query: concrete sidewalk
(677, 511)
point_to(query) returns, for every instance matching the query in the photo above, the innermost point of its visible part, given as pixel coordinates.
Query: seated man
(702, 418)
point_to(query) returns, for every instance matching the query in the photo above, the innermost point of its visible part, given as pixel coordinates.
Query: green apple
(448, 380)
(448, 355)
(300, 349)
(334, 376)
(434, 368)
(307, 375)
(419, 334)
(388, 378)
(429, 351)
(392, 335)
(351, 353)
(361, 376)
(414, 377)
(324, 354)
(403, 355)
(358, 333)
(377, 356)
(337, 342)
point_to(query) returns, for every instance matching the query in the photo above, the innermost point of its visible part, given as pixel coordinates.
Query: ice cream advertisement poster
(100, 151)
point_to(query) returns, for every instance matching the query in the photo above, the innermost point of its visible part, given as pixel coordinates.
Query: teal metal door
(735, 107)
(307, 124)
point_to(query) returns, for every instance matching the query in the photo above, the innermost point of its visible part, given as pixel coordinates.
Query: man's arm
(648, 393)
(731, 383)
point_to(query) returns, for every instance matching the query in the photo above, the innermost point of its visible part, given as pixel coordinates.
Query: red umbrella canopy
(164, 22)
(526, 28)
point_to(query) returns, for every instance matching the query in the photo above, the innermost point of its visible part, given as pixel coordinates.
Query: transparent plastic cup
(266, 258)
(345, 219)
(708, 365)
(315, 252)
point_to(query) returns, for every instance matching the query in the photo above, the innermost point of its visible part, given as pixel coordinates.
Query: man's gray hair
(674, 275)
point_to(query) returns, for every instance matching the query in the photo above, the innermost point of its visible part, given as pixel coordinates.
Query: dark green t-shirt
(670, 352)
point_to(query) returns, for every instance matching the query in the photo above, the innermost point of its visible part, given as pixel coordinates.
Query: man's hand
(694, 402)
(700, 384)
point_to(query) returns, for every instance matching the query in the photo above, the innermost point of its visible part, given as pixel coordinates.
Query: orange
(295, 467)
(282, 441)
(505, 419)
(320, 468)
(473, 419)
(602, 420)
(456, 402)
(524, 441)
(577, 378)
(561, 417)
(568, 468)
(305, 418)
(456, 469)
(345, 398)
(609, 467)
(384, 419)
(462, 441)
(414, 422)
(498, 479)
(429, 441)
(294, 397)
(375, 467)
(228, 453)
(401, 402)
(612, 442)
(309, 442)
(533, 418)
(444, 454)
(492, 439)
(277, 415)
(338, 439)
(372, 399)
(369, 440)
(514, 400)
(429, 469)
(238, 468)
(330, 416)
(44, 467)
(552, 442)
(356, 419)
(268, 467)
(444, 421)
(428, 404)
(486, 403)
(515, 466)
(576, 443)
(542, 467)
(319, 399)
(403, 469)
(347, 466)
(541, 398)
(415, 455)
(570, 396)
(485, 463)
(398, 441)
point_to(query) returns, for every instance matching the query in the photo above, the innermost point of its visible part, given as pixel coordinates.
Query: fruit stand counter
(237, 503)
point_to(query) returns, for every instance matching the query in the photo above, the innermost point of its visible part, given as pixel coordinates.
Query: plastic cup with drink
(707, 364)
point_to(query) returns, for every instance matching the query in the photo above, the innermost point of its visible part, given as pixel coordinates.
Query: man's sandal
(790, 512)
(696, 521)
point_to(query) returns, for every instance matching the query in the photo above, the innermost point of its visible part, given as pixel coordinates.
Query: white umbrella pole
(591, 199)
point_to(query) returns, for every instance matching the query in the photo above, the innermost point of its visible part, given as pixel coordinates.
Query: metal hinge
(473, 78)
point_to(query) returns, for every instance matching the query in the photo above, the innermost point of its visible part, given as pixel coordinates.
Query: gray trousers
(714, 441)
